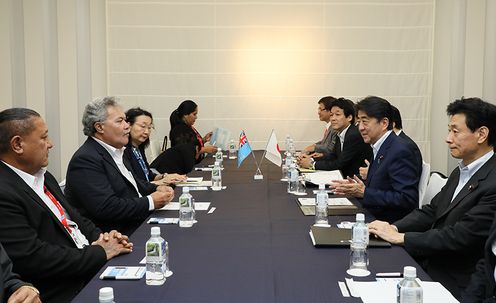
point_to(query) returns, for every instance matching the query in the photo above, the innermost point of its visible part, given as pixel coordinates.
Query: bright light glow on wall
(271, 61)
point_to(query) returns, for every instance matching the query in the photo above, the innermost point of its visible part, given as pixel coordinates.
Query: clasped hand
(114, 243)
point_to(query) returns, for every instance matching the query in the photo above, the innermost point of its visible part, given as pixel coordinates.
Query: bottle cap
(106, 294)
(219, 150)
(360, 217)
(409, 272)
(185, 189)
(155, 231)
(321, 186)
(292, 165)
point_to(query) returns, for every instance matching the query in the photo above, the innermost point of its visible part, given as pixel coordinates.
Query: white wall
(252, 65)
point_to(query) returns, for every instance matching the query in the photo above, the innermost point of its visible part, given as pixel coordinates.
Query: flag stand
(258, 174)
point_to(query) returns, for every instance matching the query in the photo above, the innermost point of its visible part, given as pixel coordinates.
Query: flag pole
(258, 174)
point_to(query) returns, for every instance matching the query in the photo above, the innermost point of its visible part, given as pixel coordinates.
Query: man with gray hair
(99, 182)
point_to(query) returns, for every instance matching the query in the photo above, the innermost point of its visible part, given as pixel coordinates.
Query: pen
(388, 274)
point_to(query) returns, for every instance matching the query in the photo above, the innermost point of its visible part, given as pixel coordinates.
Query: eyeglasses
(144, 126)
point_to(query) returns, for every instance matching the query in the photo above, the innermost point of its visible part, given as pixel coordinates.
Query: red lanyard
(63, 219)
(198, 136)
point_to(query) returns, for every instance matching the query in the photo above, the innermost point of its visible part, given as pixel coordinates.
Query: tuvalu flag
(244, 148)
(272, 151)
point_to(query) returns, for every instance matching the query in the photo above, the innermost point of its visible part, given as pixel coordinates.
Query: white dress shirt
(377, 145)
(36, 182)
(342, 134)
(117, 155)
(467, 171)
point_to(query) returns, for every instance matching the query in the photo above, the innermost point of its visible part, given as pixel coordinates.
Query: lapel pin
(471, 187)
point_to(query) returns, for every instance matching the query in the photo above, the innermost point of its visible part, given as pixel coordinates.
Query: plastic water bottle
(186, 209)
(321, 206)
(408, 289)
(216, 177)
(293, 179)
(292, 148)
(358, 255)
(232, 150)
(287, 161)
(156, 258)
(288, 138)
(106, 295)
(360, 231)
(219, 157)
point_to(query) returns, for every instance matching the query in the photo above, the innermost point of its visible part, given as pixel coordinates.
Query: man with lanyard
(51, 245)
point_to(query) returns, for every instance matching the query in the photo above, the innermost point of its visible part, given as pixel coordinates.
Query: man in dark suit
(391, 188)
(99, 181)
(398, 130)
(11, 287)
(51, 245)
(447, 236)
(482, 286)
(350, 151)
(325, 146)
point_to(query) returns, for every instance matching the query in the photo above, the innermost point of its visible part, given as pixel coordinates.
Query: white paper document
(123, 273)
(385, 292)
(196, 184)
(323, 177)
(175, 206)
(331, 201)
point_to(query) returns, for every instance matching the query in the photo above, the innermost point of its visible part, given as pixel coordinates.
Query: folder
(338, 237)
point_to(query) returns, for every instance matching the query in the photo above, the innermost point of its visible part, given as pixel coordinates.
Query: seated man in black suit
(99, 180)
(482, 286)
(51, 245)
(391, 189)
(350, 151)
(11, 287)
(447, 236)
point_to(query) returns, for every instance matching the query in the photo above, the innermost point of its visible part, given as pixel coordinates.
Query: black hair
(376, 107)
(185, 108)
(131, 116)
(347, 106)
(15, 122)
(327, 101)
(477, 113)
(396, 117)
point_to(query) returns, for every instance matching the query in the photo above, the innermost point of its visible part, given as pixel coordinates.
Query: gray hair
(96, 111)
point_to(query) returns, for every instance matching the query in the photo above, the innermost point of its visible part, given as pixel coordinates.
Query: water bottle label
(183, 201)
(410, 294)
(154, 251)
(294, 175)
(215, 173)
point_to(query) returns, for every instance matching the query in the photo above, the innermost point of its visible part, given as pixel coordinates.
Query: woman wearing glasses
(141, 126)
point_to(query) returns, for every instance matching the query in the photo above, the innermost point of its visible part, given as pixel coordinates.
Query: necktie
(63, 219)
(326, 131)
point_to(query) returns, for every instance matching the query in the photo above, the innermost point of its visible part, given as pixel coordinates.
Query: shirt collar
(328, 124)
(473, 167)
(377, 145)
(342, 134)
(35, 181)
(114, 152)
(398, 132)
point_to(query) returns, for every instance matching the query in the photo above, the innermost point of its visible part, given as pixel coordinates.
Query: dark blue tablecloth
(255, 247)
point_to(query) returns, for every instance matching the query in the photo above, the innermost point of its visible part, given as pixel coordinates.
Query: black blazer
(185, 131)
(353, 155)
(179, 159)
(9, 281)
(482, 287)
(416, 150)
(41, 249)
(134, 164)
(391, 188)
(447, 238)
(96, 187)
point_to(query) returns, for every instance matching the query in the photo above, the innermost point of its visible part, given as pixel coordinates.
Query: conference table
(255, 247)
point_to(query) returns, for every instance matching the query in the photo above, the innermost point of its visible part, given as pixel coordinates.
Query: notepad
(332, 236)
(330, 202)
(123, 273)
(175, 206)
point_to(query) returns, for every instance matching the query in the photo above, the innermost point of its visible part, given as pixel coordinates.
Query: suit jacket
(9, 281)
(391, 190)
(96, 187)
(416, 150)
(179, 159)
(348, 160)
(134, 163)
(326, 145)
(482, 287)
(41, 249)
(447, 238)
